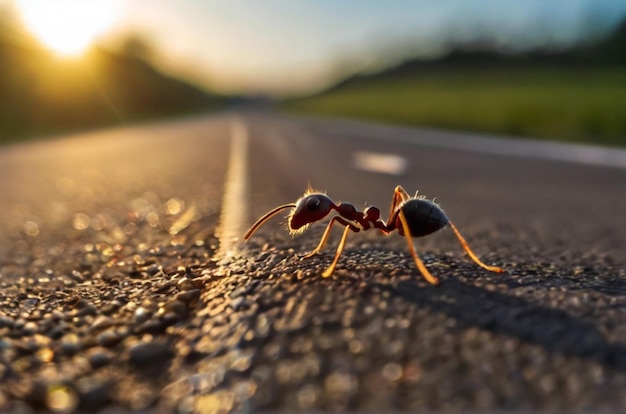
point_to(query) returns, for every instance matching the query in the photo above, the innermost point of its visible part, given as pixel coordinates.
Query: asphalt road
(124, 284)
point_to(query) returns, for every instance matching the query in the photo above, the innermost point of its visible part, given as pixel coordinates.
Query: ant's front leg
(324, 239)
(329, 271)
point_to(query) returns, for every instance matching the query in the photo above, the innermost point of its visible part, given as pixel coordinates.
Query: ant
(410, 216)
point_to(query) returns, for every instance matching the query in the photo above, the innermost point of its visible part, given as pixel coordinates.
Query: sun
(68, 27)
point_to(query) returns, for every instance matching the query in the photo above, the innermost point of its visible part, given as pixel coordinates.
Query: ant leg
(399, 195)
(471, 254)
(324, 238)
(329, 271)
(400, 190)
(418, 262)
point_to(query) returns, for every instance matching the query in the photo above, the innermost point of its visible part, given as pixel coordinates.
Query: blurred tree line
(575, 93)
(605, 52)
(41, 93)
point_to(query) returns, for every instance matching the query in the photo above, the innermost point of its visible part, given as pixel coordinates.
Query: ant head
(309, 209)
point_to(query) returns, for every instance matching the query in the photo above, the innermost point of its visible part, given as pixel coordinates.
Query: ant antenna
(266, 217)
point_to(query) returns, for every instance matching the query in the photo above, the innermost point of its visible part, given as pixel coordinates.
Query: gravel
(176, 331)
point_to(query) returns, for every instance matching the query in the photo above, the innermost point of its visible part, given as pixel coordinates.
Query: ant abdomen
(423, 216)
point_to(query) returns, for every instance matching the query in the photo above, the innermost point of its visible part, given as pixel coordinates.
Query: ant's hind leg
(402, 192)
(329, 271)
(399, 196)
(324, 238)
(418, 262)
(471, 254)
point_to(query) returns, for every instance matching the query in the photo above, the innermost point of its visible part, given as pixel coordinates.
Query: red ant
(411, 216)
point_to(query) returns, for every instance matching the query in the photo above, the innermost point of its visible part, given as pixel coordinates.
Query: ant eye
(313, 203)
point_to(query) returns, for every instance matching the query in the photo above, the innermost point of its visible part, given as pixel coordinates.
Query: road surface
(124, 284)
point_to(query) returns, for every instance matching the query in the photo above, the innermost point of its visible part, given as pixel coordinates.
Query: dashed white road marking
(480, 143)
(233, 214)
(380, 163)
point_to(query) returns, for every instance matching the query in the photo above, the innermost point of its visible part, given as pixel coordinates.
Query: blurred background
(549, 69)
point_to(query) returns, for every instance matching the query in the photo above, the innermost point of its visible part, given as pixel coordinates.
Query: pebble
(239, 303)
(56, 332)
(176, 307)
(93, 394)
(170, 318)
(70, 348)
(152, 326)
(102, 322)
(99, 357)
(142, 314)
(188, 296)
(111, 307)
(144, 353)
(30, 328)
(88, 309)
(109, 338)
(153, 269)
(57, 315)
(76, 276)
(61, 398)
(187, 284)
(6, 322)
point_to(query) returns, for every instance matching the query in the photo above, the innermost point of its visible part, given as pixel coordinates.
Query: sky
(293, 46)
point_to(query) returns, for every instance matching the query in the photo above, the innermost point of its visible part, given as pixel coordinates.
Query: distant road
(124, 282)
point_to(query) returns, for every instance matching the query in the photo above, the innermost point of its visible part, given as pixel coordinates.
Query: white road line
(234, 202)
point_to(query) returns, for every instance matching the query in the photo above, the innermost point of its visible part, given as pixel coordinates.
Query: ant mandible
(410, 216)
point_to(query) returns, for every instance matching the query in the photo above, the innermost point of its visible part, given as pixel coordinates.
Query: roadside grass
(574, 105)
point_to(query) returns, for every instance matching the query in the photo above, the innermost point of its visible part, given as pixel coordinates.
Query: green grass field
(575, 105)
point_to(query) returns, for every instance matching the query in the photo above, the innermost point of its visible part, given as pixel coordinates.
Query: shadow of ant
(603, 281)
(553, 329)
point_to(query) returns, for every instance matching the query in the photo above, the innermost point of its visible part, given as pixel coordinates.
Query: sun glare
(68, 27)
